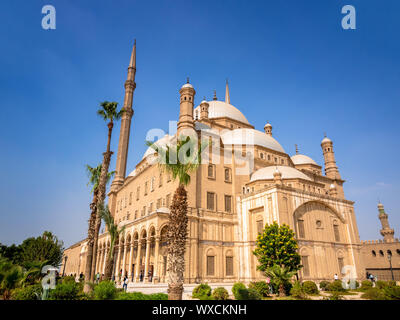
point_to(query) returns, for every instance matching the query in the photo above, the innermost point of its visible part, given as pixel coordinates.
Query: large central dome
(220, 109)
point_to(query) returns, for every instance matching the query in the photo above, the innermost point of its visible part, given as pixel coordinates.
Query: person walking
(97, 277)
(125, 284)
(335, 277)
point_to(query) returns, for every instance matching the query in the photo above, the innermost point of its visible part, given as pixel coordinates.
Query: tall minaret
(386, 231)
(227, 98)
(331, 170)
(122, 154)
(187, 93)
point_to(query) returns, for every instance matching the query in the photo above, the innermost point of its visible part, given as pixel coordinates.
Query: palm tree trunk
(109, 267)
(101, 196)
(91, 236)
(177, 235)
(282, 290)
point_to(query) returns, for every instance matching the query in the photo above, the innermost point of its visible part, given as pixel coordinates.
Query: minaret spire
(386, 231)
(123, 144)
(227, 99)
(297, 149)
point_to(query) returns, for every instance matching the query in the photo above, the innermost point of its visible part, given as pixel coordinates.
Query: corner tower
(123, 144)
(331, 170)
(386, 231)
(187, 94)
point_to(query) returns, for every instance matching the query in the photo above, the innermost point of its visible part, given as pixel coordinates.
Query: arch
(143, 234)
(135, 236)
(152, 231)
(229, 253)
(303, 205)
(373, 253)
(210, 252)
(304, 252)
(128, 238)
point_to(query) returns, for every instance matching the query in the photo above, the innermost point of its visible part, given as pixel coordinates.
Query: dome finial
(227, 98)
(297, 149)
(215, 95)
(187, 80)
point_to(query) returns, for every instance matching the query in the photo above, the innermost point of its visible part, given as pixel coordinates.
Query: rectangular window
(210, 265)
(228, 175)
(151, 207)
(137, 193)
(211, 171)
(136, 214)
(341, 264)
(210, 200)
(144, 211)
(300, 224)
(336, 231)
(229, 266)
(160, 180)
(130, 198)
(158, 203)
(228, 203)
(306, 268)
(260, 226)
(167, 200)
(146, 187)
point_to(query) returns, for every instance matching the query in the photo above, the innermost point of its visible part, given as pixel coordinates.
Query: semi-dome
(267, 173)
(160, 143)
(302, 159)
(251, 137)
(219, 109)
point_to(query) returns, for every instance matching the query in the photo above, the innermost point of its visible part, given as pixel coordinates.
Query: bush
(141, 296)
(310, 287)
(202, 290)
(253, 294)
(392, 292)
(297, 291)
(287, 286)
(105, 290)
(374, 294)
(68, 279)
(261, 287)
(381, 284)
(323, 285)
(356, 284)
(235, 289)
(391, 283)
(65, 291)
(220, 293)
(336, 286)
(32, 292)
(366, 284)
(335, 296)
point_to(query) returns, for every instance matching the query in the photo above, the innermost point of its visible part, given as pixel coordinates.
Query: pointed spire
(297, 149)
(227, 98)
(215, 95)
(132, 63)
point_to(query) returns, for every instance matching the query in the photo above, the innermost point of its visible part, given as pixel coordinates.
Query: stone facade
(248, 182)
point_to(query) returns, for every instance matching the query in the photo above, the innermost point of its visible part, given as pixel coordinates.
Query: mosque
(250, 181)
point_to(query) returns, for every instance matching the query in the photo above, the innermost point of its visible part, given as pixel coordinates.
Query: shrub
(202, 290)
(68, 279)
(381, 284)
(392, 292)
(355, 284)
(65, 291)
(374, 294)
(323, 285)
(336, 286)
(235, 289)
(287, 286)
(297, 291)
(261, 287)
(335, 296)
(220, 293)
(32, 292)
(158, 296)
(253, 294)
(366, 284)
(310, 287)
(105, 290)
(391, 283)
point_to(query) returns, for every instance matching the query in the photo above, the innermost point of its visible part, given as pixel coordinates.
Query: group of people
(372, 278)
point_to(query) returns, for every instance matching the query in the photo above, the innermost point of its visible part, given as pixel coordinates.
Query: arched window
(381, 253)
(389, 252)
(211, 171)
(398, 251)
(336, 231)
(373, 253)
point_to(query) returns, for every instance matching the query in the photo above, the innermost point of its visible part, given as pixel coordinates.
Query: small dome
(267, 173)
(302, 159)
(220, 109)
(326, 139)
(268, 125)
(187, 85)
(251, 137)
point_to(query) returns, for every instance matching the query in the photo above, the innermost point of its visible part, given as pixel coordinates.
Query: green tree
(114, 233)
(12, 253)
(276, 245)
(94, 178)
(179, 159)
(109, 113)
(46, 247)
(280, 276)
(11, 277)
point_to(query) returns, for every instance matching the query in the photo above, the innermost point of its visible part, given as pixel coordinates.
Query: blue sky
(288, 62)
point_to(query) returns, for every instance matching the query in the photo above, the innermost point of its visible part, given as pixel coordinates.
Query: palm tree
(169, 159)
(94, 178)
(280, 275)
(108, 112)
(114, 233)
